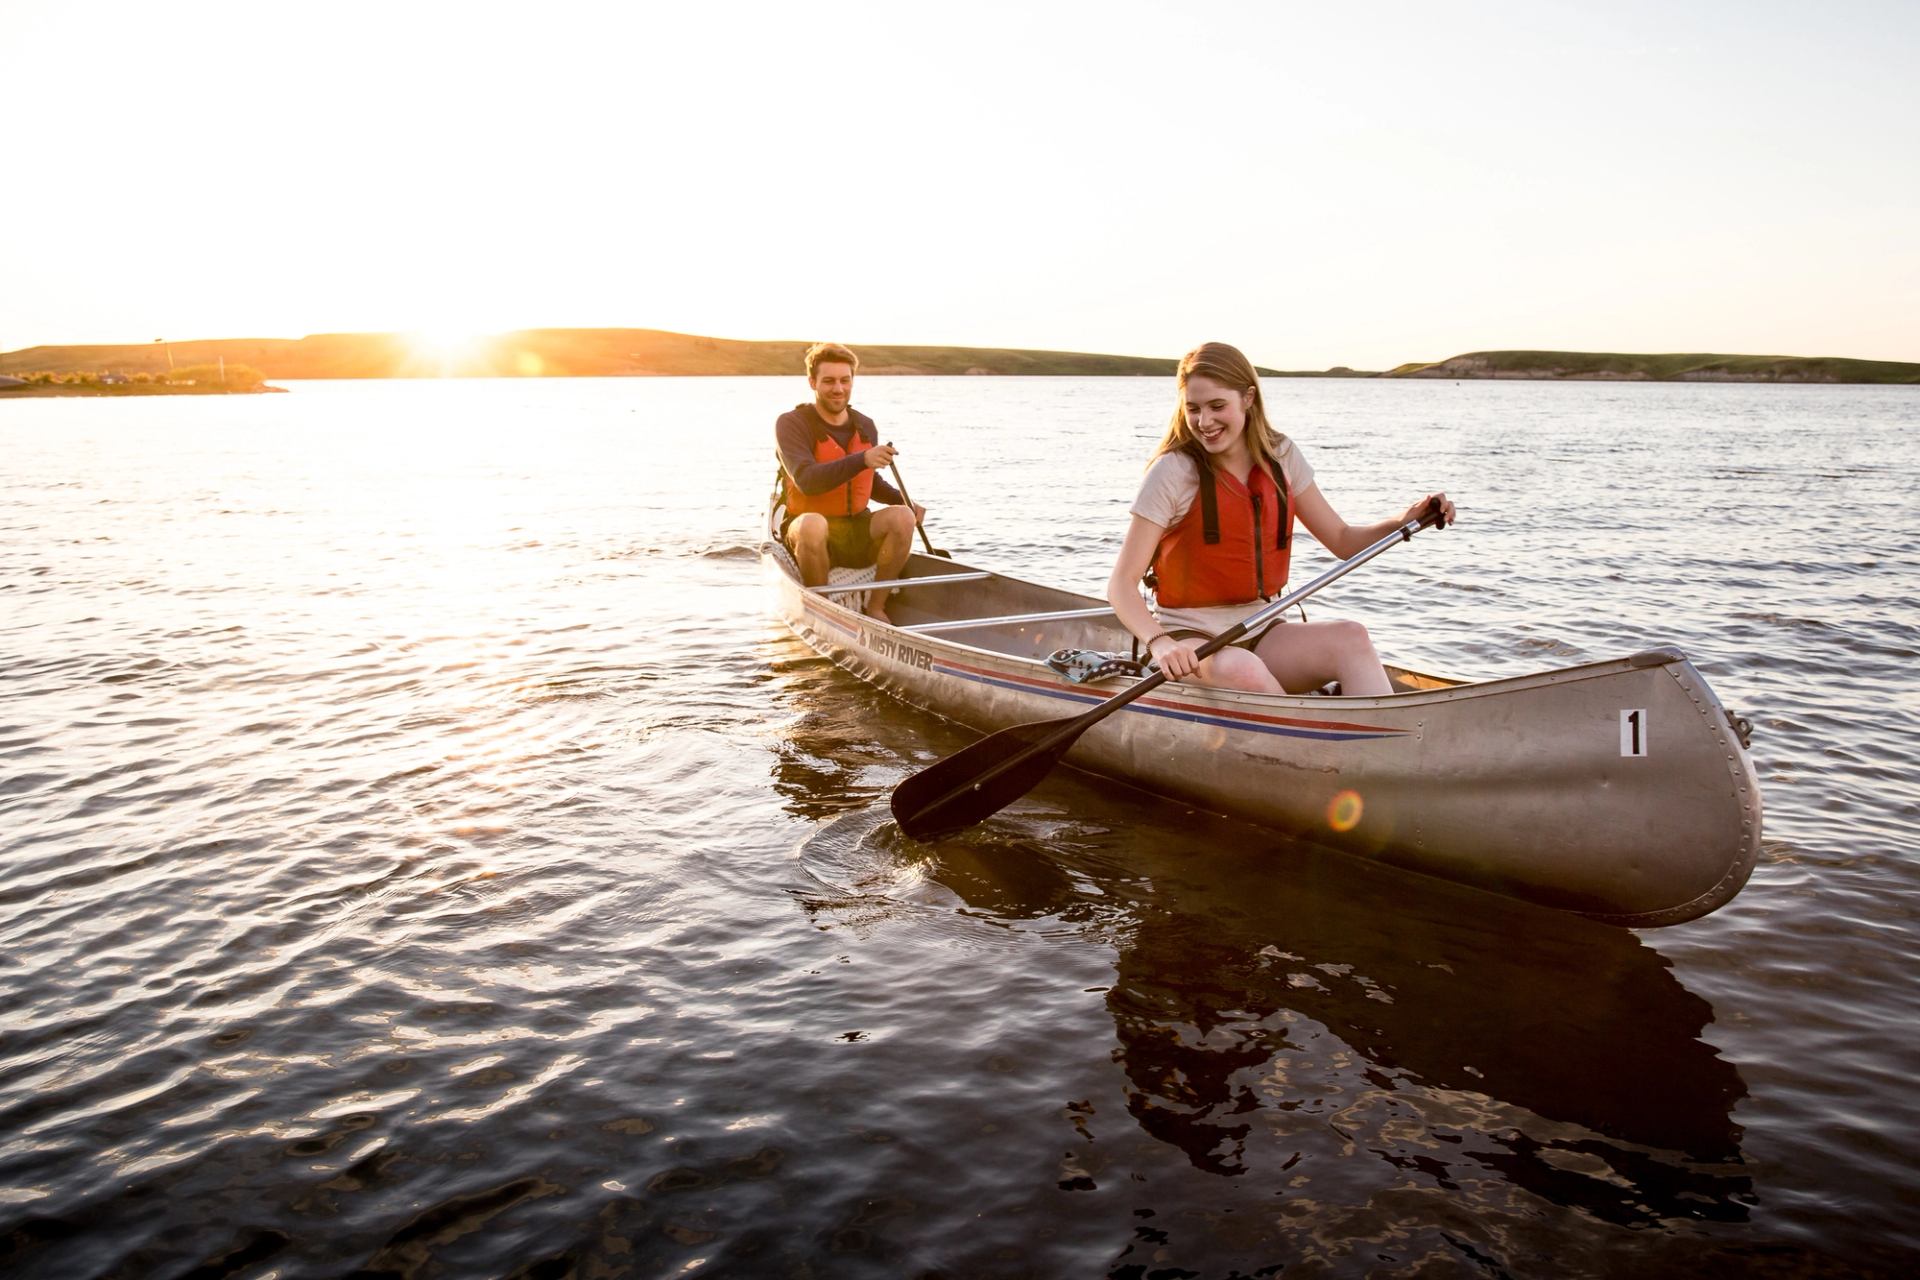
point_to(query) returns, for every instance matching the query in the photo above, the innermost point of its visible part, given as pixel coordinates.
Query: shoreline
(42, 391)
(548, 353)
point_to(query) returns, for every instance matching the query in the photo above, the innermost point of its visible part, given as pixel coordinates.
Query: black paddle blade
(982, 780)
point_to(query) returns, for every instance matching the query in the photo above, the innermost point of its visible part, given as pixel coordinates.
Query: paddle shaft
(970, 777)
(901, 485)
(1254, 622)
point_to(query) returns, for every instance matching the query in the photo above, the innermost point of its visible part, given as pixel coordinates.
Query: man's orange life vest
(1233, 545)
(849, 499)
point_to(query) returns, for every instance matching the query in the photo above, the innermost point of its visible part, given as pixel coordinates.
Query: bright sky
(1317, 183)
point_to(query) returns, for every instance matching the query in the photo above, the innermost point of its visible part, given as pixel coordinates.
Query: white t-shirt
(1171, 486)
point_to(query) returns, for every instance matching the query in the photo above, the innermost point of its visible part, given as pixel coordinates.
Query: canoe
(1621, 790)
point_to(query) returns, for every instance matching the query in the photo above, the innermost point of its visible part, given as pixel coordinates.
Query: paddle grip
(1434, 515)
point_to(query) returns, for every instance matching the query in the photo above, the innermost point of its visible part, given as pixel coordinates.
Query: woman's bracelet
(1148, 643)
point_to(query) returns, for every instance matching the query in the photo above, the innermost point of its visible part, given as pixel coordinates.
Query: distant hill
(602, 353)
(1613, 367)
(186, 380)
(560, 353)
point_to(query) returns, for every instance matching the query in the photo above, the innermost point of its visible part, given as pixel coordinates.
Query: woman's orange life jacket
(1233, 545)
(849, 499)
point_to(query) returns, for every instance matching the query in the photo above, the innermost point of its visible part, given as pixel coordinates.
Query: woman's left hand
(1419, 509)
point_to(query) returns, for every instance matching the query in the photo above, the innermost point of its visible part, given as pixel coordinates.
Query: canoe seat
(841, 577)
(836, 577)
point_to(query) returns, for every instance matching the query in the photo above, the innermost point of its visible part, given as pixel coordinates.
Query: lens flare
(1343, 811)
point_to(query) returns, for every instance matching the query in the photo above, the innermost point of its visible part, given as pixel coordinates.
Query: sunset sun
(448, 349)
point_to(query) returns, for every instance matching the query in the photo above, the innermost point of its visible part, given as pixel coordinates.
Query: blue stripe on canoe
(1192, 717)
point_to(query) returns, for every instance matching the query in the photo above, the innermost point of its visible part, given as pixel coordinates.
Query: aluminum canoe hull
(1618, 789)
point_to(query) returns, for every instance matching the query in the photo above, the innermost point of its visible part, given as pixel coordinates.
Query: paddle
(901, 485)
(997, 770)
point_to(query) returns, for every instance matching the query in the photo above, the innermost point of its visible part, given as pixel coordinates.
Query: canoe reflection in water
(1238, 990)
(1287, 1012)
(1282, 1013)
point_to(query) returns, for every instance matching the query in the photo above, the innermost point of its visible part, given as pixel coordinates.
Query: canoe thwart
(961, 624)
(845, 588)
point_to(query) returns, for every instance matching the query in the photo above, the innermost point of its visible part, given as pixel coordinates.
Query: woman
(1218, 555)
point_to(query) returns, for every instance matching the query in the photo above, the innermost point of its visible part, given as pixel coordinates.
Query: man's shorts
(849, 540)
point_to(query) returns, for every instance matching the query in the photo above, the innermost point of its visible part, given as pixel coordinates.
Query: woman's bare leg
(1233, 669)
(1305, 655)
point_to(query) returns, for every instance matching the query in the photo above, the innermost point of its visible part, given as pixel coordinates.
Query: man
(830, 455)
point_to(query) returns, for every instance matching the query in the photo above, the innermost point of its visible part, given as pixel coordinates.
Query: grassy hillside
(559, 353)
(1617, 367)
(654, 352)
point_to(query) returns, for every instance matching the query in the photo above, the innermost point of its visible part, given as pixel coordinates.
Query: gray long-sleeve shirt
(793, 436)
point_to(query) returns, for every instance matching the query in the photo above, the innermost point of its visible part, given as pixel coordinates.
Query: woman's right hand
(1172, 657)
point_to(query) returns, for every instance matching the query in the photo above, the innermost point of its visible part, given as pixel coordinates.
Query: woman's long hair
(1226, 366)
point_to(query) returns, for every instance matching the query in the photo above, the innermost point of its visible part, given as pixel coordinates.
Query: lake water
(422, 853)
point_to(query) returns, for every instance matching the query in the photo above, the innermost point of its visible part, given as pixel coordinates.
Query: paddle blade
(983, 779)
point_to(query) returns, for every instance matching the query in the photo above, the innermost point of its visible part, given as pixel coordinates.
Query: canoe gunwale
(1454, 688)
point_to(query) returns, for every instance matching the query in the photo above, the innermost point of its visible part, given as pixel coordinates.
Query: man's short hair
(830, 353)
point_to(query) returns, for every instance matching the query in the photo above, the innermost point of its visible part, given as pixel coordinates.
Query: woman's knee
(1234, 668)
(1334, 640)
(1351, 636)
